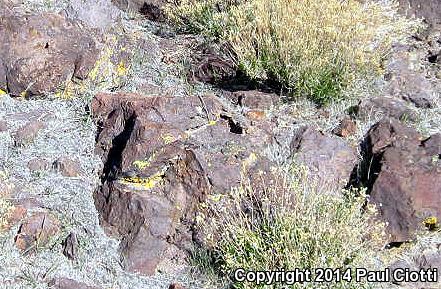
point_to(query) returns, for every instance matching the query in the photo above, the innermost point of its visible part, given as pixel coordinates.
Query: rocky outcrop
(402, 171)
(162, 156)
(39, 52)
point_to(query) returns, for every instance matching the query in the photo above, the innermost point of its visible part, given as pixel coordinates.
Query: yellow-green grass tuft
(311, 48)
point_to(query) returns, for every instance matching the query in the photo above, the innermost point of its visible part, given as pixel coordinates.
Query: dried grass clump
(292, 224)
(310, 47)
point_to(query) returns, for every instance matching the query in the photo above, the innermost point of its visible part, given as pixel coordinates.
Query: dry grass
(310, 47)
(292, 224)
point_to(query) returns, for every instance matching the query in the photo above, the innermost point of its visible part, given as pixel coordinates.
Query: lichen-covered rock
(39, 52)
(402, 172)
(162, 156)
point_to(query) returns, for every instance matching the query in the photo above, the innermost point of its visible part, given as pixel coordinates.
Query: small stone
(67, 167)
(347, 127)
(65, 283)
(38, 164)
(176, 286)
(27, 133)
(70, 246)
(3, 126)
(36, 231)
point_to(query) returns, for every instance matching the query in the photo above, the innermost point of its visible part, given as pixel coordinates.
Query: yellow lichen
(144, 183)
(431, 222)
(141, 164)
(212, 122)
(168, 139)
(2, 92)
(23, 93)
(121, 69)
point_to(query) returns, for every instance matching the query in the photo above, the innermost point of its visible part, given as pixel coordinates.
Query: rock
(330, 160)
(40, 52)
(3, 126)
(253, 99)
(207, 64)
(346, 127)
(36, 231)
(402, 174)
(70, 246)
(433, 145)
(427, 9)
(162, 156)
(67, 167)
(384, 107)
(176, 286)
(152, 9)
(64, 283)
(38, 164)
(428, 258)
(406, 82)
(27, 133)
(101, 14)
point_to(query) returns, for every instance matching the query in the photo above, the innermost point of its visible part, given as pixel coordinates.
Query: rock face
(38, 53)
(162, 156)
(330, 160)
(402, 172)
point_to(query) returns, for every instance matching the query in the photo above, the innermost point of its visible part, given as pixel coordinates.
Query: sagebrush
(291, 224)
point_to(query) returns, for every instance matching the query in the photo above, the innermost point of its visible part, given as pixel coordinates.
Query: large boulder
(39, 52)
(402, 171)
(162, 156)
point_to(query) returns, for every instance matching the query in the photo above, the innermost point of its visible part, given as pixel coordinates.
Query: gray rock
(100, 14)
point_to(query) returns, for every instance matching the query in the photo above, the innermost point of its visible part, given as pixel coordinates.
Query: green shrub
(312, 48)
(292, 224)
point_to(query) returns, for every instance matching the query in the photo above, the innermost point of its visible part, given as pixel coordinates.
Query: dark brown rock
(345, 128)
(384, 107)
(67, 167)
(64, 283)
(162, 156)
(70, 246)
(403, 177)
(253, 99)
(27, 133)
(207, 64)
(40, 52)
(36, 231)
(329, 159)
